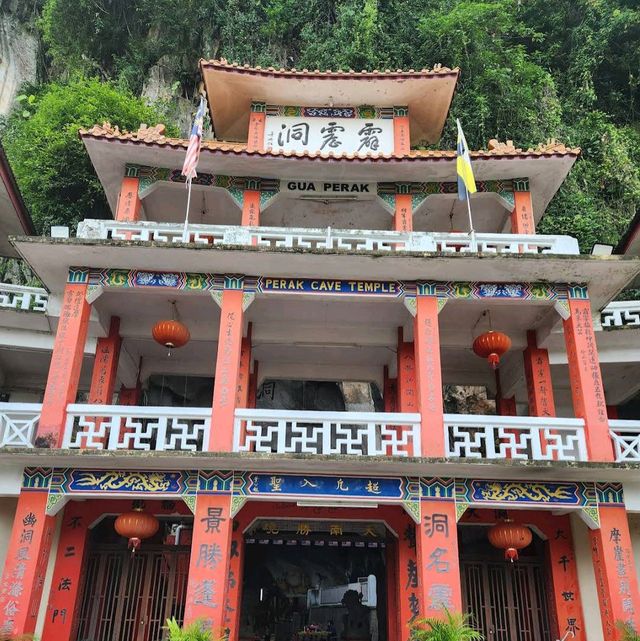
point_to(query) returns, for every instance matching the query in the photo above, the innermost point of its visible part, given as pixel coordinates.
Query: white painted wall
(7, 513)
(587, 580)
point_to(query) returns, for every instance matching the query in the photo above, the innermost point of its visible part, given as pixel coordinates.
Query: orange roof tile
(224, 65)
(155, 136)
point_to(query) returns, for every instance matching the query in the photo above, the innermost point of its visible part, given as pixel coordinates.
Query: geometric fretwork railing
(297, 432)
(24, 298)
(122, 427)
(626, 440)
(18, 423)
(621, 313)
(516, 437)
(327, 238)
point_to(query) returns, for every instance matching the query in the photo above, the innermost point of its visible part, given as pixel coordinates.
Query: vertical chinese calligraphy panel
(586, 380)
(209, 564)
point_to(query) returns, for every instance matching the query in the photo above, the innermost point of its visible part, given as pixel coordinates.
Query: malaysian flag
(193, 150)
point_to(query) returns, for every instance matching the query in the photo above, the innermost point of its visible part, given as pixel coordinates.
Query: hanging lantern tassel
(136, 526)
(491, 345)
(510, 537)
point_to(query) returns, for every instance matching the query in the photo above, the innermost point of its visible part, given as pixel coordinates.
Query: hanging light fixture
(510, 537)
(136, 526)
(171, 333)
(491, 345)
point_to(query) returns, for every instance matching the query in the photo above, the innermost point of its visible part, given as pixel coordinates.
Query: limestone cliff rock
(18, 58)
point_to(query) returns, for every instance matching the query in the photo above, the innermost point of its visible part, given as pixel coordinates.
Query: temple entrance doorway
(129, 597)
(315, 580)
(505, 600)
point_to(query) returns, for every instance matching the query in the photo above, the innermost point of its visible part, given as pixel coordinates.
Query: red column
(129, 395)
(586, 380)
(105, 367)
(429, 375)
(506, 406)
(242, 391)
(564, 576)
(227, 371)
(614, 565)
(401, 134)
(257, 122)
(61, 618)
(408, 595)
(26, 564)
(253, 386)
(537, 373)
(391, 561)
(66, 363)
(403, 215)
(250, 208)
(612, 412)
(390, 392)
(129, 204)
(233, 601)
(438, 558)
(209, 564)
(522, 220)
(406, 381)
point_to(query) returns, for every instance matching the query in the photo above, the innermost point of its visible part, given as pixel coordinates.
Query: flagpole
(472, 232)
(185, 231)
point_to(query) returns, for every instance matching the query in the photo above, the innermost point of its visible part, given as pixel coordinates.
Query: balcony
(329, 238)
(467, 437)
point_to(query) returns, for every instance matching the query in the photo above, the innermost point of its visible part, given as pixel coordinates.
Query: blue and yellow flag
(466, 181)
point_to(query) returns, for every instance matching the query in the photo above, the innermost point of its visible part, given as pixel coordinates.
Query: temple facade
(330, 402)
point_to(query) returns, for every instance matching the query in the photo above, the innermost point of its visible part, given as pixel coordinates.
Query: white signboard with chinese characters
(338, 135)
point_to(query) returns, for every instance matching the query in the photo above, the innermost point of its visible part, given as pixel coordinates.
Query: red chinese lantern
(510, 537)
(491, 345)
(135, 526)
(171, 333)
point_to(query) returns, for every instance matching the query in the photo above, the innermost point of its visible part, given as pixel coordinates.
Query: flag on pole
(193, 150)
(466, 181)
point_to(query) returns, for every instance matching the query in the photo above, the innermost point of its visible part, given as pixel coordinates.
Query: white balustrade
(24, 298)
(621, 313)
(333, 239)
(363, 433)
(515, 437)
(122, 427)
(626, 440)
(18, 423)
(463, 243)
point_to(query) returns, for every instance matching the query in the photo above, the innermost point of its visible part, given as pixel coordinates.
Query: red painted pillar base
(26, 565)
(586, 380)
(209, 565)
(615, 571)
(61, 617)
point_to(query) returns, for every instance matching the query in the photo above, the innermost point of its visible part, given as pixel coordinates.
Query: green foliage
(628, 631)
(453, 626)
(51, 166)
(193, 632)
